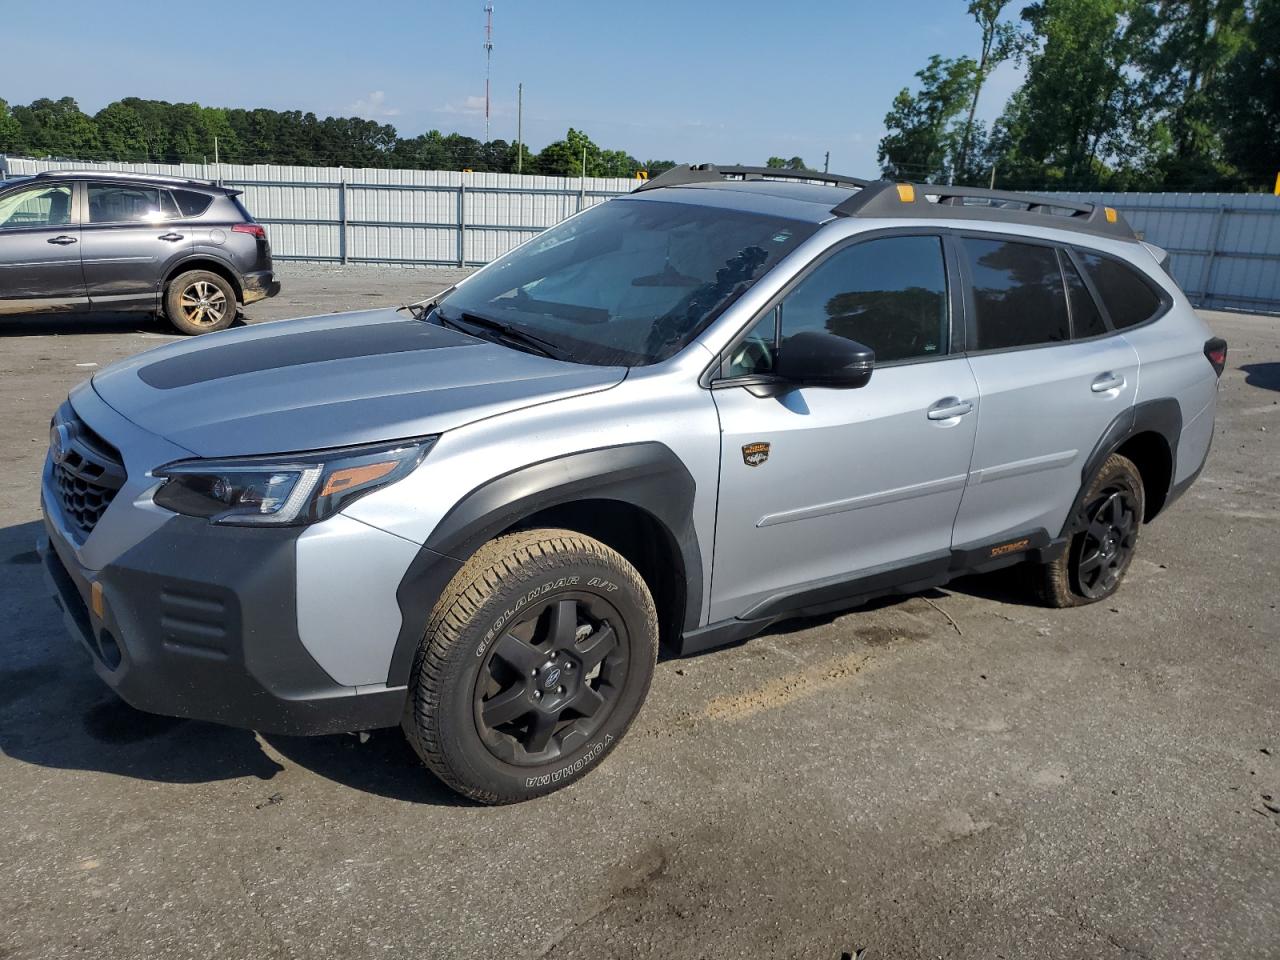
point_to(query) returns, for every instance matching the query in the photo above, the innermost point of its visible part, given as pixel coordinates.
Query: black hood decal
(218, 361)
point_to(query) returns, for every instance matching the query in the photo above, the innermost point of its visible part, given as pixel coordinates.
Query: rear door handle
(949, 408)
(171, 237)
(1106, 381)
(63, 240)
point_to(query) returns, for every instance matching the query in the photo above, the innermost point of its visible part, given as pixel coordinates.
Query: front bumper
(200, 622)
(259, 286)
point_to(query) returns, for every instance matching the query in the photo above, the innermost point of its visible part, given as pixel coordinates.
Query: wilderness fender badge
(754, 454)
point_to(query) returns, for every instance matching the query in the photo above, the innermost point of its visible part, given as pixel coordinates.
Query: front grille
(87, 478)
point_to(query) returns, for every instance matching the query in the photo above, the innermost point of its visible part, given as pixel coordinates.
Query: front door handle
(171, 237)
(1106, 381)
(63, 240)
(948, 408)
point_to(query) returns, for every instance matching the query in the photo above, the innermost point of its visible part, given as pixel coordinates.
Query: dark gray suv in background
(106, 242)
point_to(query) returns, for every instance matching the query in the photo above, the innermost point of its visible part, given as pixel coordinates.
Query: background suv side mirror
(817, 359)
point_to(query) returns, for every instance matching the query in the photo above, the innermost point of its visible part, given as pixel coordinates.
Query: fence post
(342, 215)
(1206, 275)
(462, 220)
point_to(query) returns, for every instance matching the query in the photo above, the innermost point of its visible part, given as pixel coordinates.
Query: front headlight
(296, 489)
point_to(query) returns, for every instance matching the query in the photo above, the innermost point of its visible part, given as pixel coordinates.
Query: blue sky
(726, 82)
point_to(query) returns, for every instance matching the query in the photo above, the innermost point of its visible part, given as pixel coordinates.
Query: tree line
(1117, 95)
(154, 131)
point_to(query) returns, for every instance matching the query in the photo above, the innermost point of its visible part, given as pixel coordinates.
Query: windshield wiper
(505, 331)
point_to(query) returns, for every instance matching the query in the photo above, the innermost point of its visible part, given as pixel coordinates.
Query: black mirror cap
(818, 359)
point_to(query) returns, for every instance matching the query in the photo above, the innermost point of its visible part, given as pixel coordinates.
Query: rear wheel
(537, 658)
(200, 302)
(1099, 554)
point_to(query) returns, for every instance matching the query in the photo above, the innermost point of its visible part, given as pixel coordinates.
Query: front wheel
(200, 302)
(1099, 554)
(537, 658)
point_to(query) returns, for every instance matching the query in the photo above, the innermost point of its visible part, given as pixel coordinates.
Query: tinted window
(120, 203)
(1086, 318)
(889, 294)
(629, 281)
(1018, 294)
(36, 207)
(1127, 297)
(192, 204)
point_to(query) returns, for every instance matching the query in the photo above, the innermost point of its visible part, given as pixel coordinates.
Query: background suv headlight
(296, 489)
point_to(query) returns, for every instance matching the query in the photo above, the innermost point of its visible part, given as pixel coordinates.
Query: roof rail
(122, 175)
(709, 173)
(978, 204)
(886, 198)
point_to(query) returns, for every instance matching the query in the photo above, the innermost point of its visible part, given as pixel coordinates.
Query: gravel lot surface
(959, 774)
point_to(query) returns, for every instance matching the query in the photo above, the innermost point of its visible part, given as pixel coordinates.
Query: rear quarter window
(1128, 297)
(192, 204)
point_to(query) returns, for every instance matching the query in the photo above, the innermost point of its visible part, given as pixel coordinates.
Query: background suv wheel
(1096, 559)
(536, 660)
(200, 302)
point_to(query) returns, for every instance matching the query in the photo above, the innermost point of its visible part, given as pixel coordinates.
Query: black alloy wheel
(1105, 549)
(551, 681)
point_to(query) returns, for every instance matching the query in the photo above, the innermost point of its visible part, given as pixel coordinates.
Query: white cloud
(374, 105)
(471, 106)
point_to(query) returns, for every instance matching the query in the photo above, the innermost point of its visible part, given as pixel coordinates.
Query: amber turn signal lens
(349, 477)
(1111, 214)
(906, 193)
(95, 600)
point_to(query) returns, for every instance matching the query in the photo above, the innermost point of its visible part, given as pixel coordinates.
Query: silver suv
(681, 416)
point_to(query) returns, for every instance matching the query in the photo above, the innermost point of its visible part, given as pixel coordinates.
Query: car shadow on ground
(68, 324)
(1264, 375)
(56, 713)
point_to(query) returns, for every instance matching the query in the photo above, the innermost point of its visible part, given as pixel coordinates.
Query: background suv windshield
(630, 281)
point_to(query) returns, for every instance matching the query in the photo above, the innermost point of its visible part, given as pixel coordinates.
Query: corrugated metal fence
(1225, 246)
(422, 217)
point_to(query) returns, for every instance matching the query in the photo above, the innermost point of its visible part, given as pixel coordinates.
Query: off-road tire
(192, 321)
(517, 574)
(1061, 582)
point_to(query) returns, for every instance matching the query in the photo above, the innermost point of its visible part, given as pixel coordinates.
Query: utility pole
(992, 184)
(826, 163)
(217, 168)
(519, 127)
(488, 55)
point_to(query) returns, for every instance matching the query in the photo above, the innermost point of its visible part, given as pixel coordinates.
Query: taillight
(253, 229)
(1215, 352)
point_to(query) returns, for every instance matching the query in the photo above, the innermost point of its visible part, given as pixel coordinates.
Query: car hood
(331, 381)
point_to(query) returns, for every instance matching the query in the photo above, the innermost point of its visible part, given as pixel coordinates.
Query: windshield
(628, 282)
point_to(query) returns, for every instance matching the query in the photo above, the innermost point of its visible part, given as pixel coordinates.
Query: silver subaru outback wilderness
(726, 399)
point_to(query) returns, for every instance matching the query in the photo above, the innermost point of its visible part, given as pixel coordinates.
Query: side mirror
(817, 359)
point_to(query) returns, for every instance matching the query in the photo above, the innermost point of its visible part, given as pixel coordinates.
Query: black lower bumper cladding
(201, 622)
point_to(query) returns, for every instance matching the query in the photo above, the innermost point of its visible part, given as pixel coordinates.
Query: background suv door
(40, 250)
(1052, 377)
(853, 481)
(128, 242)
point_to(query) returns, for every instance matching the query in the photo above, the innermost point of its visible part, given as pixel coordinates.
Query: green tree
(1060, 129)
(923, 139)
(1246, 94)
(1000, 42)
(564, 158)
(58, 128)
(10, 130)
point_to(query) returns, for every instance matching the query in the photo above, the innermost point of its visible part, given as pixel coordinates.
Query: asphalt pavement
(955, 774)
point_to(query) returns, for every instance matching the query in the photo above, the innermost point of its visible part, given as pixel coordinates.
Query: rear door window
(1129, 299)
(124, 203)
(1086, 318)
(1018, 294)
